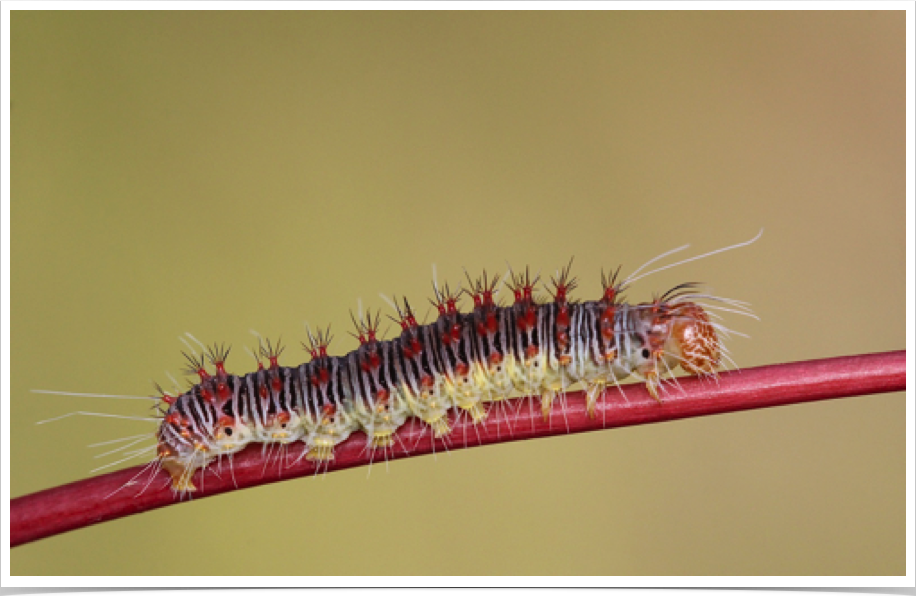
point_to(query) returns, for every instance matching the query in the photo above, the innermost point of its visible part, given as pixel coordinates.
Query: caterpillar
(541, 344)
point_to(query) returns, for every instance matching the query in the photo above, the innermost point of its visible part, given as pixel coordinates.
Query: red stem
(107, 497)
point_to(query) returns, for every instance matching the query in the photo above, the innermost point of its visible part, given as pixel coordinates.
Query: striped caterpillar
(459, 361)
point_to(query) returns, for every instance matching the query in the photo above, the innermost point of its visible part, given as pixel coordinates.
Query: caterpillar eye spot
(228, 432)
(645, 352)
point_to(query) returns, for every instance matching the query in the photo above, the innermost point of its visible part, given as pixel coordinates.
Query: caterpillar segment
(461, 361)
(378, 406)
(489, 330)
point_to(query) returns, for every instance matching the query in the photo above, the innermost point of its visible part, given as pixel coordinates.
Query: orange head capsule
(695, 339)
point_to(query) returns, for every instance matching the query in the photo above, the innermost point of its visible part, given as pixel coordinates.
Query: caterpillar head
(693, 338)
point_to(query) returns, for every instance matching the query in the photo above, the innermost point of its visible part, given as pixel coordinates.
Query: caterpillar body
(537, 345)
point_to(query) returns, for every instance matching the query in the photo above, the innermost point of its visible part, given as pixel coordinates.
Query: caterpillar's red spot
(329, 410)
(495, 358)
(382, 396)
(461, 369)
(531, 351)
(223, 391)
(276, 384)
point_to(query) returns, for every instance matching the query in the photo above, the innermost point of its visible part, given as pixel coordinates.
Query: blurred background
(214, 172)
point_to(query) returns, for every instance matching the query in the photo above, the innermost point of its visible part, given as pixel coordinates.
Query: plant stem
(139, 489)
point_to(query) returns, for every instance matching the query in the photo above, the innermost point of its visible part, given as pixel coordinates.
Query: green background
(214, 172)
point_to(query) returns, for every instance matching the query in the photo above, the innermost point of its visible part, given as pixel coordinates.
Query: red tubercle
(382, 396)
(492, 322)
(563, 316)
(320, 377)
(607, 321)
(272, 353)
(527, 320)
(179, 421)
(207, 395)
(370, 361)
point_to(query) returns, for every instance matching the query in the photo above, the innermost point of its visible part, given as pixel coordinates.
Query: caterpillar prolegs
(541, 344)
